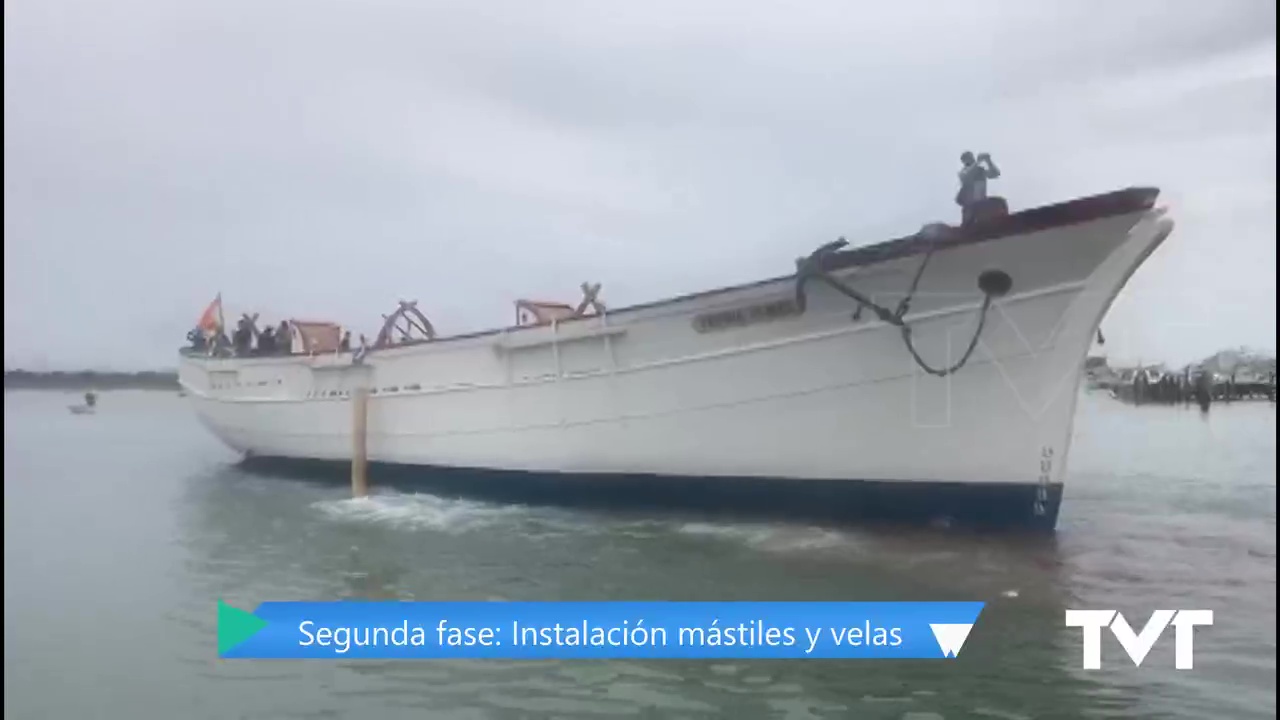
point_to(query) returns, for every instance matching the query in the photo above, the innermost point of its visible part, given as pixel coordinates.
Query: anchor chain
(992, 283)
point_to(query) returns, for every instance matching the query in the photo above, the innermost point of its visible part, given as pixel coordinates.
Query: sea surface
(122, 529)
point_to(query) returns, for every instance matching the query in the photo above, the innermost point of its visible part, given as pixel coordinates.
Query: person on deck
(267, 341)
(220, 344)
(284, 341)
(242, 339)
(974, 174)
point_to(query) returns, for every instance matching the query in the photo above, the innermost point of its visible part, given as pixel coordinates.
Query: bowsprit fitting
(993, 283)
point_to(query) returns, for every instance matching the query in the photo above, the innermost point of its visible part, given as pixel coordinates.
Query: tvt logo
(1137, 645)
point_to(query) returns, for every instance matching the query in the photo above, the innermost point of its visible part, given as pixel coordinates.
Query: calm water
(122, 529)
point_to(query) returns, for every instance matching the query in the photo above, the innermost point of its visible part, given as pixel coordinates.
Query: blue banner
(540, 630)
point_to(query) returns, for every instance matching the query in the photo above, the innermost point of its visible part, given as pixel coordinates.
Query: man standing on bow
(974, 174)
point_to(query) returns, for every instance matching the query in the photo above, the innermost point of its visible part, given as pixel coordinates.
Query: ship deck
(1079, 210)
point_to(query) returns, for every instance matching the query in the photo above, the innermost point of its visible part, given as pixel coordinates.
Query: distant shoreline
(90, 380)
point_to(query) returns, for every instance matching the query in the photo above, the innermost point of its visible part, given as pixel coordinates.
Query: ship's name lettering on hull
(746, 315)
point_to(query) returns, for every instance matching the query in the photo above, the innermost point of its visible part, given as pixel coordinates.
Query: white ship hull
(813, 410)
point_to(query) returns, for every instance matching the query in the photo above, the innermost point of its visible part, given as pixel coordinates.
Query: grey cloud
(325, 159)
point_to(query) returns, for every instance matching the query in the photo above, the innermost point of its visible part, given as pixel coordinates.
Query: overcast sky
(323, 159)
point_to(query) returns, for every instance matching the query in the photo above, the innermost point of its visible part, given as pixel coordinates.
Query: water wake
(419, 512)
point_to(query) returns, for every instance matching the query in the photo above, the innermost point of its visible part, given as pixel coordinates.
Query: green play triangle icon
(235, 626)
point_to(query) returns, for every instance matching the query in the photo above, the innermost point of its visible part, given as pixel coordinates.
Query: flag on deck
(211, 320)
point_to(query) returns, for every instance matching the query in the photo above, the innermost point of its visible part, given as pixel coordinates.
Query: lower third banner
(543, 630)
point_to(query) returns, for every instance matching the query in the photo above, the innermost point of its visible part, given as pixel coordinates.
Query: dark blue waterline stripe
(978, 505)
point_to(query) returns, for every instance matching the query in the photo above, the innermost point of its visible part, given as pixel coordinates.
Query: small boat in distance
(928, 379)
(90, 402)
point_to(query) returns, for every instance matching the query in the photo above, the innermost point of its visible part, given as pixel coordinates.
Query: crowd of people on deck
(247, 341)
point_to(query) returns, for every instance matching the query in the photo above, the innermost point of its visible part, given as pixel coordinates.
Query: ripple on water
(774, 538)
